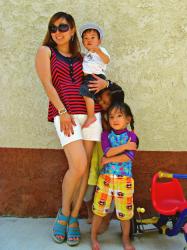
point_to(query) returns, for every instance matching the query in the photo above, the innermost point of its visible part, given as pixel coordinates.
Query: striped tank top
(67, 76)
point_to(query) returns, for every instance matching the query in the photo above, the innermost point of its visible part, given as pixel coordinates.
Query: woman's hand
(66, 124)
(97, 84)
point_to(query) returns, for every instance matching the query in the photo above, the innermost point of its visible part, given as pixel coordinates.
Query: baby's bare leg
(90, 112)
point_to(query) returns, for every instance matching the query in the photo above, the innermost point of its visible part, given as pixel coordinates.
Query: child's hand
(130, 145)
(105, 58)
(95, 49)
(104, 160)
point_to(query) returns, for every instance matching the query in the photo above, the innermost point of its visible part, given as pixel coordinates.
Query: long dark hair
(123, 108)
(116, 93)
(74, 44)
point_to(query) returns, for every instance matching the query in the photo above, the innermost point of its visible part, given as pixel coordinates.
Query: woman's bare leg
(88, 145)
(83, 183)
(73, 175)
(77, 161)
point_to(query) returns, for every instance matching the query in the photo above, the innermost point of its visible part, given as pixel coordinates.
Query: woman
(59, 67)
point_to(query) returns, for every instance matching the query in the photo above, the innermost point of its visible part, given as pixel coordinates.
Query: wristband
(109, 83)
(62, 111)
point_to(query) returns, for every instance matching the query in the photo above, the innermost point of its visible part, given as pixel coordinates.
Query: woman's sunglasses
(63, 27)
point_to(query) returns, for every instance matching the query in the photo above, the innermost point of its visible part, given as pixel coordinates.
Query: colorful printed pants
(119, 188)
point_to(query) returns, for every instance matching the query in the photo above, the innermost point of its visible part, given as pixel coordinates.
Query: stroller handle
(170, 175)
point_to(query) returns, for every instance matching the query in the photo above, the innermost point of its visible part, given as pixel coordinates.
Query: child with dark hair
(94, 62)
(106, 97)
(115, 181)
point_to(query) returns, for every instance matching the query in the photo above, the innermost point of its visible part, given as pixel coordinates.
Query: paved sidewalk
(34, 234)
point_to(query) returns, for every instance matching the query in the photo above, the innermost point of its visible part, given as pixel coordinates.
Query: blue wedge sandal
(58, 228)
(73, 233)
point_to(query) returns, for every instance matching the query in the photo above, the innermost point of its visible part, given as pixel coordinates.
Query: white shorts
(92, 133)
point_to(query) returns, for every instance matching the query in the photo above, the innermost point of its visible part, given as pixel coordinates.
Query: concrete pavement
(34, 234)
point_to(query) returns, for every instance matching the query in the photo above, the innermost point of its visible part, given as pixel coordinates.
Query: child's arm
(105, 58)
(112, 151)
(120, 149)
(118, 158)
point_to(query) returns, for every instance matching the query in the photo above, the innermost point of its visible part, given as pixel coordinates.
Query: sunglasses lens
(63, 27)
(53, 29)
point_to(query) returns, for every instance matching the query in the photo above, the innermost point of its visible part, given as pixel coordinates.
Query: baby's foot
(89, 121)
(95, 245)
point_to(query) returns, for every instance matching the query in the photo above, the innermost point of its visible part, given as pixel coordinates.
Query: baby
(94, 62)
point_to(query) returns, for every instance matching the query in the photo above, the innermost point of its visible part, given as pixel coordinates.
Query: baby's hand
(96, 49)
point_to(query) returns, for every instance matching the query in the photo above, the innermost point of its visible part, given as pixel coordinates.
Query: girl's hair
(74, 44)
(116, 92)
(123, 108)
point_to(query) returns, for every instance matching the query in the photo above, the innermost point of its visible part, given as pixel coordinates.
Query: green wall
(147, 41)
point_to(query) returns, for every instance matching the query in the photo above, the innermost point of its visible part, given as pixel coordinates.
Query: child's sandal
(59, 230)
(73, 233)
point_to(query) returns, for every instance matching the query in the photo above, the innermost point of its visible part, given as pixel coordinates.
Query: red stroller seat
(167, 197)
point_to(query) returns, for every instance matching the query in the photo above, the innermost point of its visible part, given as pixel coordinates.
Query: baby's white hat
(91, 26)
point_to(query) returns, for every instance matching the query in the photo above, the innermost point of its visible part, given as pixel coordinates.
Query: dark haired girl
(115, 181)
(106, 97)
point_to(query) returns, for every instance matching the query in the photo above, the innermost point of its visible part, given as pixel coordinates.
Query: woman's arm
(97, 84)
(44, 72)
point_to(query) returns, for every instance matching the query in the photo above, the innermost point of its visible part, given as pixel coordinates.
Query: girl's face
(62, 37)
(105, 100)
(118, 120)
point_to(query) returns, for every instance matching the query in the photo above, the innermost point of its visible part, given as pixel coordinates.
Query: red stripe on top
(67, 76)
